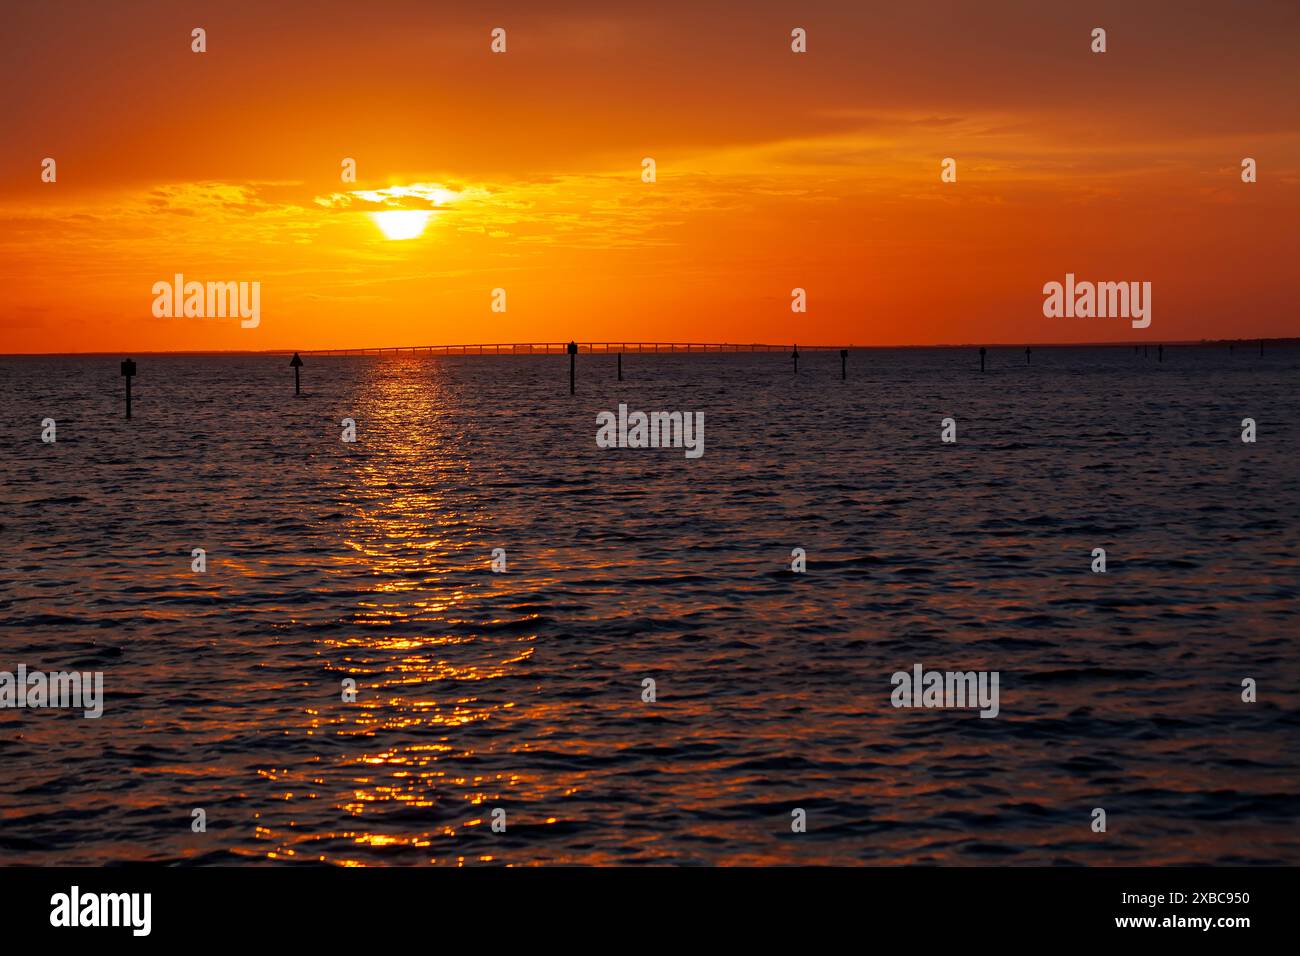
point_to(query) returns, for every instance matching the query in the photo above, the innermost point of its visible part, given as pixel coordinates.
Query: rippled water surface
(523, 690)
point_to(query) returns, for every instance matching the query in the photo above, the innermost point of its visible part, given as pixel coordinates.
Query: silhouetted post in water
(1230, 348)
(1160, 353)
(128, 370)
(1026, 354)
(844, 364)
(1261, 348)
(573, 359)
(296, 362)
(795, 356)
(620, 366)
(1144, 351)
(981, 358)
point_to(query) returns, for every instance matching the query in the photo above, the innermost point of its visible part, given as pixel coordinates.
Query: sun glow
(401, 223)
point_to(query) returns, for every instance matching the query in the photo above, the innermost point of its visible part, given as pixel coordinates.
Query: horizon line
(608, 347)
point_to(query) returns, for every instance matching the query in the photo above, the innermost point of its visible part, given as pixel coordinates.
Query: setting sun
(401, 223)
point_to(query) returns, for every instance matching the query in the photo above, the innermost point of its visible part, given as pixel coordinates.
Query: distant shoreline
(695, 348)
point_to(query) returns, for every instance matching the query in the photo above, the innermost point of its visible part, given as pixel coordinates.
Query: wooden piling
(128, 372)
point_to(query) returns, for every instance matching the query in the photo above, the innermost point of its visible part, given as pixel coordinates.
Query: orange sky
(775, 170)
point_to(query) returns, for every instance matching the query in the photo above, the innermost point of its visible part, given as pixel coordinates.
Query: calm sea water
(522, 690)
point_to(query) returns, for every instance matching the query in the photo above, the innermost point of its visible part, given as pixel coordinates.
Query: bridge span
(560, 348)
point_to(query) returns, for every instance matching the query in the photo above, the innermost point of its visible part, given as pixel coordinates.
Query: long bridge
(560, 348)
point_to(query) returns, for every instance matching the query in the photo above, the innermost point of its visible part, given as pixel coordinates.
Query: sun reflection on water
(417, 648)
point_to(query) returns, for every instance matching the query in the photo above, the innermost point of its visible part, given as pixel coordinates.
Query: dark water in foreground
(523, 690)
